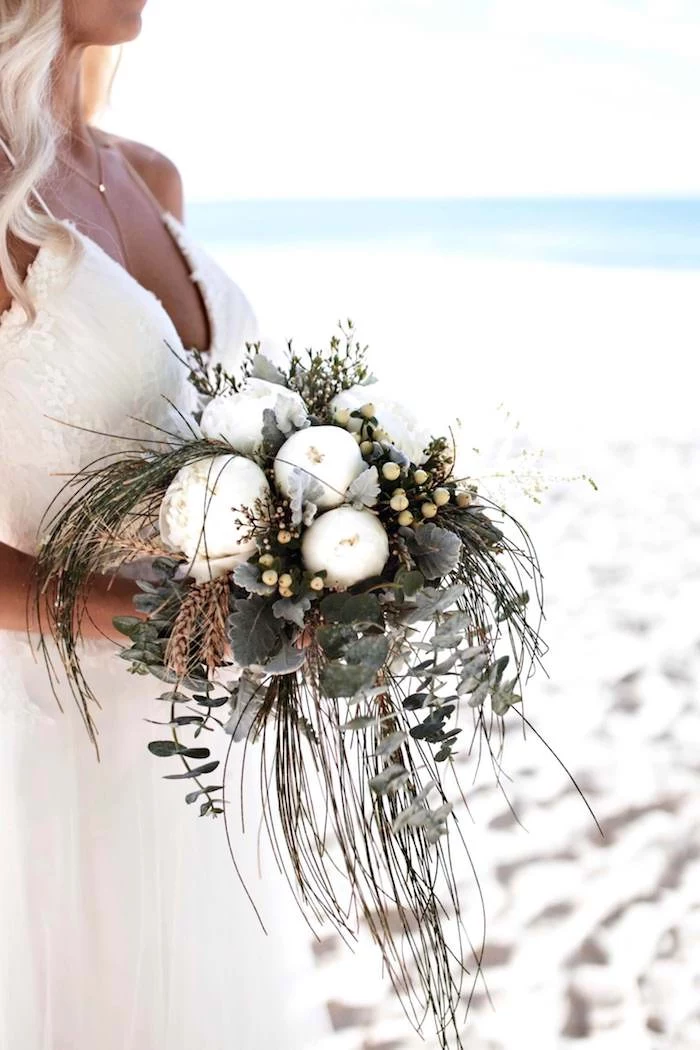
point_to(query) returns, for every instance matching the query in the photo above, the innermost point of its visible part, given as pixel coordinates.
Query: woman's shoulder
(158, 172)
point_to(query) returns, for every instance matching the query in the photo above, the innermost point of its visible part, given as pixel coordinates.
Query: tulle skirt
(123, 925)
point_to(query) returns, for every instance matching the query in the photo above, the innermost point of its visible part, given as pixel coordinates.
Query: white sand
(574, 351)
(593, 943)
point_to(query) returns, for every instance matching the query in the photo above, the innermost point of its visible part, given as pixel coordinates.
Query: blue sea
(628, 232)
(580, 316)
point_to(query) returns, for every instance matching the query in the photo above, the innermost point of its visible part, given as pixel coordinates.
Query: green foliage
(253, 631)
(360, 609)
(191, 774)
(318, 376)
(435, 550)
(357, 663)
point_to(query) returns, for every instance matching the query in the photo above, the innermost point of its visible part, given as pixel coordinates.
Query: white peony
(202, 513)
(400, 424)
(238, 418)
(350, 545)
(328, 454)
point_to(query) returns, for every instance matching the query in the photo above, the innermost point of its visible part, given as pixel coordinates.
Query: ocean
(634, 232)
(578, 316)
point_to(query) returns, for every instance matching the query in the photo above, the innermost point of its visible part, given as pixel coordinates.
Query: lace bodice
(96, 357)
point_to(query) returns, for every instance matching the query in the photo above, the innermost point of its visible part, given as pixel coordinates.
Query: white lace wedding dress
(122, 923)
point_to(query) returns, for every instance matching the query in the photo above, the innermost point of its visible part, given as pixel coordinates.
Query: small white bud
(398, 503)
(266, 560)
(317, 584)
(285, 581)
(463, 499)
(391, 471)
(269, 577)
(366, 448)
(441, 497)
(420, 477)
(342, 416)
(380, 434)
(367, 410)
(405, 518)
(428, 510)
(283, 536)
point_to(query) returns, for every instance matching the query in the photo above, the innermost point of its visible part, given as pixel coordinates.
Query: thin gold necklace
(101, 188)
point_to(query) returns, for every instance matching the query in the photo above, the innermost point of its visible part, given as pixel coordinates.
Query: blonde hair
(31, 34)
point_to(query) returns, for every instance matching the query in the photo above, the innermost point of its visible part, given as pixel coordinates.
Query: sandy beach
(592, 941)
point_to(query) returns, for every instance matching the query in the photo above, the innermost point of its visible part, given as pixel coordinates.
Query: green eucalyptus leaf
(370, 651)
(192, 796)
(127, 624)
(415, 701)
(389, 780)
(201, 771)
(211, 701)
(410, 581)
(333, 639)
(361, 722)
(288, 660)
(165, 674)
(391, 743)
(451, 631)
(434, 600)
(361, 609)
(168, 748)
(345, 680)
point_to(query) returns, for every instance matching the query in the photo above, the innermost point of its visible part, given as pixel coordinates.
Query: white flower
(202, 513)
(400, 424)
(203, 569)
(328, 454)
(238, 418)
(350, 545)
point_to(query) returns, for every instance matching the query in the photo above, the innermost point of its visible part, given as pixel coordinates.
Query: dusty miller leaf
(304, 492)
(247, 576)
(436, 551)
(254, 633)
(293, 611)
(364, 490)
(263, 368)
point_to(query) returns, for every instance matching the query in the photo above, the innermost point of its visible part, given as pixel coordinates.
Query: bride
(122, 923)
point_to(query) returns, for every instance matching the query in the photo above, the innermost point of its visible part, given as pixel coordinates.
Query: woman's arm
(108, 597)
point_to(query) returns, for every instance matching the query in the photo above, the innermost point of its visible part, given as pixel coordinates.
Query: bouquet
(320, 582)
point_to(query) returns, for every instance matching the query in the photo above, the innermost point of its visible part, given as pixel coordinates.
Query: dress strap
(40, 200)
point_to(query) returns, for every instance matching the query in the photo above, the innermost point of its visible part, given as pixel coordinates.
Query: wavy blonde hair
(31, 36)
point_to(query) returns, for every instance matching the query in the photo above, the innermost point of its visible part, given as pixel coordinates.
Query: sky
(418, 98)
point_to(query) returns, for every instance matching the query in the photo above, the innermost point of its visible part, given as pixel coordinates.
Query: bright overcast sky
(343, 98)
